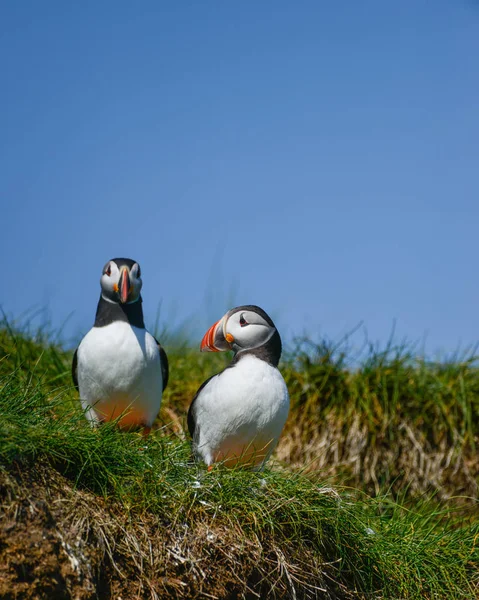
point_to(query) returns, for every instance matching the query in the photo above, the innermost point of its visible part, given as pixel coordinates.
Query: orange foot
(210, 468)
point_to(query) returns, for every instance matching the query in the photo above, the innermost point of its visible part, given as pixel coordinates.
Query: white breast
(119, 372)
(240, 414)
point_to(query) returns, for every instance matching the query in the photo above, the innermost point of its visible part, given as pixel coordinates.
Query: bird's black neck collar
(270, 352)
(109, 312)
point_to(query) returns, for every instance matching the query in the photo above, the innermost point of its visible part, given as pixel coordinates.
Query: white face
(246, 329)
(121, 283)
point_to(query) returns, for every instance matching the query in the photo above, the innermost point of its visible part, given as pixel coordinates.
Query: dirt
(58, 542)
(39, 558)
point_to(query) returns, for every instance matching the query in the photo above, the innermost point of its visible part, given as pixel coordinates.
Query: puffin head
(121, 281)
(242, 328)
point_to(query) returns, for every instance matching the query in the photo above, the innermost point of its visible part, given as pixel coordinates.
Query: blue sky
(319, 159)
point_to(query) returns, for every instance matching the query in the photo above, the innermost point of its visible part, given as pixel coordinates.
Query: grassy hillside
(393, 422)
(96, 513)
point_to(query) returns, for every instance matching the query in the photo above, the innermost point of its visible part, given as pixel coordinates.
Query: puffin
(237, 415)
(119, 369)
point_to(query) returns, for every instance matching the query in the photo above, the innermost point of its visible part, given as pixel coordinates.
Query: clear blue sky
(319, 159)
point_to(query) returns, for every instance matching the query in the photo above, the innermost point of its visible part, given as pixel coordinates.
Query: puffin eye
(243, 321)
(108, 271)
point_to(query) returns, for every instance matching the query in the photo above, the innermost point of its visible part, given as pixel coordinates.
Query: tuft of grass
(393, 420)
(163, 522)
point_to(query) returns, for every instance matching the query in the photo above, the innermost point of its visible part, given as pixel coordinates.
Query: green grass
(290, 528)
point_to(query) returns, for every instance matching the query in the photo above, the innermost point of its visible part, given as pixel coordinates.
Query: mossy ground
(95, 513)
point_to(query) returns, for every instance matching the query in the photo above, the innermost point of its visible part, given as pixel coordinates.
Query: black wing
(191, 410)
(165, 370)
(75, 370)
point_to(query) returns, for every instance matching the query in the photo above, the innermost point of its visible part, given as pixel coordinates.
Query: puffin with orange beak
(237, 416)
(119, 368)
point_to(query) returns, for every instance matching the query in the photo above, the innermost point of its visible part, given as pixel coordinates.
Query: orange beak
(124, 286)
(207, 343)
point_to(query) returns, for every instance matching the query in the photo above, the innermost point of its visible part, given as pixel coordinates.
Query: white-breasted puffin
(238, 415)
(119, 368)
